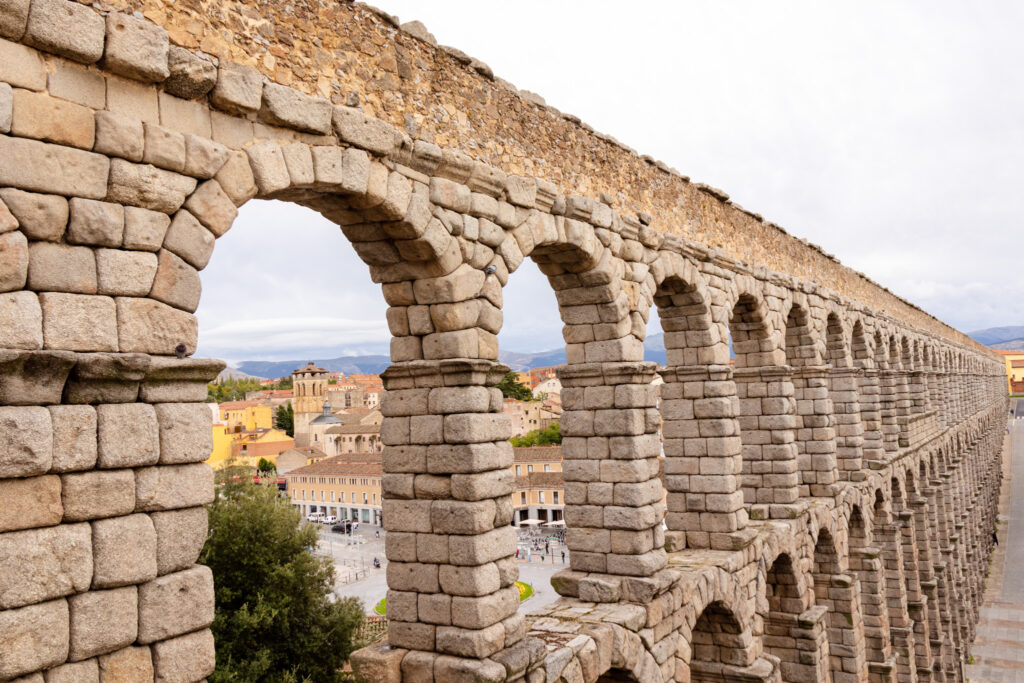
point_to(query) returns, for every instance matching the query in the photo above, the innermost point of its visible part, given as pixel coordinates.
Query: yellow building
(246, 416)
(346, 486)
(539, 490)
(1014, 370)
(247, 448)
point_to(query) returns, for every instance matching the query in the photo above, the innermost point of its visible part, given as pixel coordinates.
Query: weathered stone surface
(128, 435)
(164, 148)
(119, 135)
(79, 84)
(185, 659)
(136, 48)
(39, 116)
(203, 157)
(43, 167)
(180, 535)
(21, 321)
(34, 638)
(29, 378)
(61, 268)
(268, 167)
(236, 178)
(26, 441)
(170, 487)
(238, 89)
(133, 99)
(212, 206)
(13, 18)
(40, 216)
(187, 238)
(21, 67)
(147, 187)
(285, 106)
(143, 229)
(189, 76)
(175, 603)
(147, 326)
(124, 551)
(78, 322)
(103, 621)
(95, 223)
(76, 672)
(74, 437)
(42, 564)
(6, 107)
(92, 495)
(177, 283)
(14, 261)
(48, 29)
(125, 273)
(30, 503)
(364, 131)
(127, 666)
(185, 432)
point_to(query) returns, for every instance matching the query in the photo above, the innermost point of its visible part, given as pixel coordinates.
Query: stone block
(180, 535)
(65, 28)
(125, 273)
(148, 326)
(175, 604)
(79, 84)
(26, 441)
(268, 167)
(373, 135)
(43, 564)
(232, 131)
(185, 659)
(236, 178)
(21, 321)
(35, 638)
(177, 283)
(481, 612)
(164, 148)
(40, 216)
(213, 207)
(135, 100)
(76, 672)
(170, 487)
(92, 495)
(30, 503)
(185, 432)
(124, 551)
(95, 223)
(148, 187)
(103, 621)
(203, 157)
(471, 643)
(6, 107)
(13, 18)
(286, 106)
(39, 116)
(477, 670)
(136, 48)
(470, 581)
(128, 435)
(14, 261)
(127, 666)
(379, 663)
(187, 238)
(238, 90)
(119, 135)
(298, 159)
(21, 67)
(42, 167)
(61, 268)
(144, 230)
(187, 117)
(189, 76)
(74, 438)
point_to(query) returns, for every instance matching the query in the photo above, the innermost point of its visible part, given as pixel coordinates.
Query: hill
(1007, 338)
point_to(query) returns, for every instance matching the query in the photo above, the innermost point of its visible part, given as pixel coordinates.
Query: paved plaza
(998, 650)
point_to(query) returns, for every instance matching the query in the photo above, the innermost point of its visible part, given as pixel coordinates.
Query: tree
(511, 387)
(551, 436)
(265, 465)
(284, 418)
(275, 619)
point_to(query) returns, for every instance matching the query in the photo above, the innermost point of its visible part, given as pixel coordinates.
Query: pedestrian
(995, 538)
(563, 557)
(542, 557)
(378, 533)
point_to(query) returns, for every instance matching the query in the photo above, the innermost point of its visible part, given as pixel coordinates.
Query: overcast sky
(890, 133)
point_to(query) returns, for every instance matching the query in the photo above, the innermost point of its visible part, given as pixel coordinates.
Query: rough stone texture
(119, 135)
(30, 503)
(42, 564)
(124, 551)
(187, 238)
(136, 48)
(43, 167)
(146, 326)
(175, 604)
(238, 89)
(21, 321)
(185, 659)
(125, 273)
(78, 322)
(103, 621)
(189, 76)
(180, 535)
(288, 107)
(128, 435)
(185, 432)
(143, 229)
(74, 438)
(39, 116)
(172, 487)
(212, 206)
(177, 283)
(127, 665)
(91, 495)
(34, 637)
(95, 223)
(14, 261)
(40, 216)
(77, 672)
(61, 268)
(13, 18)
(77, 83)
(147, 187)
(21, 67)
(48, 29)
(26, 442)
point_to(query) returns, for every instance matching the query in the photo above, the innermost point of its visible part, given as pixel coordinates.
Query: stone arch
(720, 647)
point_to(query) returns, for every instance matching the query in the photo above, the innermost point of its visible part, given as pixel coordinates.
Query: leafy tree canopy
(275, 619)
(511, 387)
(551, 436)
(284, 418)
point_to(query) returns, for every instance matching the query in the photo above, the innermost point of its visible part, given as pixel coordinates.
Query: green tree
(275, 619)
(551, 436)
(511, 387)
(231, 389)
(284, 418)
(265, 465)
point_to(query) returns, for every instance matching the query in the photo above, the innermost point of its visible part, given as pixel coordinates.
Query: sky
(889, 133)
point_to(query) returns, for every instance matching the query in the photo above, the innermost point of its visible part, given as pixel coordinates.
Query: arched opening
(794, 634)
(838, 592)
(888, 536)
(844, 382)
(719, 647)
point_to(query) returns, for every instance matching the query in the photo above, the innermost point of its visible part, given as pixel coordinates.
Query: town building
(1014, 370)
(348, 487)
(246, 416)
(309, 389)
(540, 491)
(527, 416)
(294, 458)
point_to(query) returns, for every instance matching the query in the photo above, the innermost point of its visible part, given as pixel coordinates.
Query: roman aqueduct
(830, 499)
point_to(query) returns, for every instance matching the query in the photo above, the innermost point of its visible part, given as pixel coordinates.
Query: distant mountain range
(654, 350)
(1005, 338)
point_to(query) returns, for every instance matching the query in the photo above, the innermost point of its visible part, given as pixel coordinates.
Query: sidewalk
(998, 649)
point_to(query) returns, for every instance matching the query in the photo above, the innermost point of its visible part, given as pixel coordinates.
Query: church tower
(309, 391)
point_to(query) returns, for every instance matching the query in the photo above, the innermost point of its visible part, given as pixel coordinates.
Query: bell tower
(309, 390)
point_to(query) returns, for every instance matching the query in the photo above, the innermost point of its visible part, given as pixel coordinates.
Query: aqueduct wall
(830, 499)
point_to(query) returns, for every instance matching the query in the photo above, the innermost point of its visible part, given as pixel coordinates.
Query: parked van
(330, 519)
(315, 517)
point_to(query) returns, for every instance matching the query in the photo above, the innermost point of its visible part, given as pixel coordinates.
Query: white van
(315, 517)
(330, 519)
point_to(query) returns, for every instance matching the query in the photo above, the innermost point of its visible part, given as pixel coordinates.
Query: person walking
(563, 557)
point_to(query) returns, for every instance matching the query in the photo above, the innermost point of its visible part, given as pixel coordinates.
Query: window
(365, 501)
(529, 468)
(541, 497)
(547, 468)
(341, 498)
(295, 494)
(522, 498)
(303, 494)
(375, 499)
(554, 497)
(322, 496)
(519, 470)
(332, 496)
